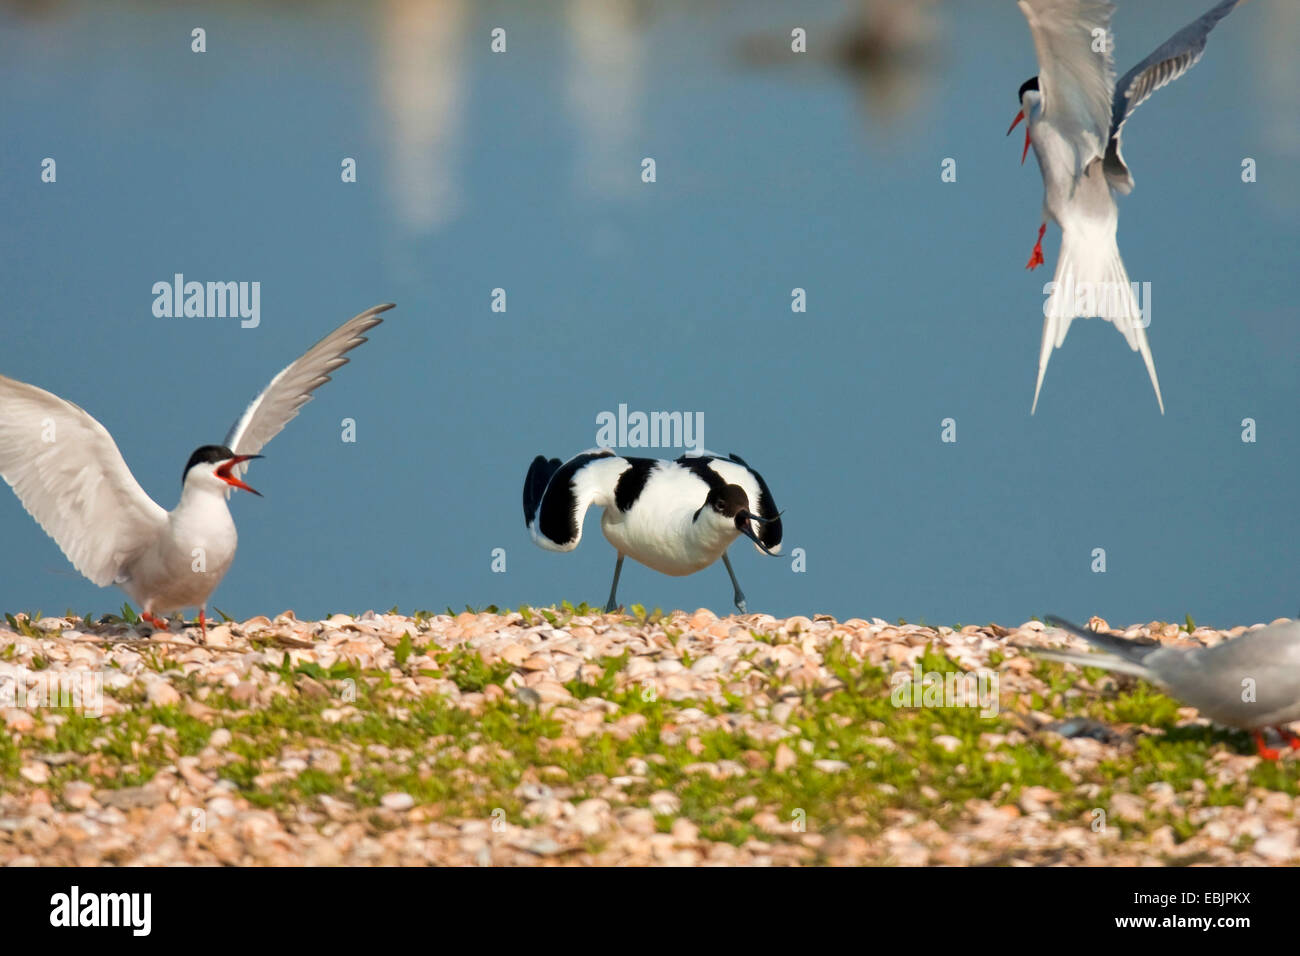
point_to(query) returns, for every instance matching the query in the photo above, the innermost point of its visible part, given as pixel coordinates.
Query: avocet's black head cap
(728, 500)
(207, 455)
(1029, 84)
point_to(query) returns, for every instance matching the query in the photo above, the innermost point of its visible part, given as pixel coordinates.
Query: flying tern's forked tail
(1091, 280)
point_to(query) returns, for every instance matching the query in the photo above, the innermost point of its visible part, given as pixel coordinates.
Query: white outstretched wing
(1076, 71)
(67, 472)
(290, 390)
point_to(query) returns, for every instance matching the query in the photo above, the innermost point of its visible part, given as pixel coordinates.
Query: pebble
(785, 759)
(664, 803)
(78, 794)
(163, 694)
(684, 831)
(1276, 848)
(830, 766)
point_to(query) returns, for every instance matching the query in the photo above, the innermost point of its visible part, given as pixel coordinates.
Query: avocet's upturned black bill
(1074, 112)
(675, 517)
(67, 472)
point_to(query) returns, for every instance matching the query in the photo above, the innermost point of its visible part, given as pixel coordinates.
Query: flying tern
(1074, 113)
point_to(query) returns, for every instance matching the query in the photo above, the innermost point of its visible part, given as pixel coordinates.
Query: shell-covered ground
(566, 736)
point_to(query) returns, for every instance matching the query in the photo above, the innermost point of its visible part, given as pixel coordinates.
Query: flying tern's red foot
(1291, 739)
(1265, 751)
(1036, 259)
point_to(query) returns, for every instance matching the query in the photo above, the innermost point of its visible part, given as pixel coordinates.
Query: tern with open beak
(69, 475)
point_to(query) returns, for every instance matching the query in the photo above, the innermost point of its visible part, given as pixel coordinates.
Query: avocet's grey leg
(613, 588)
(739, 597)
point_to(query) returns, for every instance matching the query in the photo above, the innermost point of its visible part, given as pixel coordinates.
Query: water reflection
(604, 89)
(422, 44)
(886, 48)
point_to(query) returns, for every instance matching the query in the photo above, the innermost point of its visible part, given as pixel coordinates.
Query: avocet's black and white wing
(1170, 60)
(69, 475)
(734, 470)
(1075, 80)
(557, 496)
(292, 388)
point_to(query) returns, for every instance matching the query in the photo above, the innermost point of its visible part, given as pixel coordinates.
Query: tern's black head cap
(207, 455)
(1029, 84)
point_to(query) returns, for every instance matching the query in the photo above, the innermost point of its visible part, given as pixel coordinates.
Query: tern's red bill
(223, 472)
(1014, 123)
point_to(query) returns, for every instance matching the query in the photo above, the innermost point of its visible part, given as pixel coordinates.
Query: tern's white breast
(188, 561)
(1085, 203)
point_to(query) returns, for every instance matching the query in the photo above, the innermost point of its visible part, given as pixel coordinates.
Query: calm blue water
(522, 171)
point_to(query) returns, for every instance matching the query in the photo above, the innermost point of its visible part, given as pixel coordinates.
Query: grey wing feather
(292, 388)
(1107, 662)
(1135, 651)
(1212, 679)
(1167, 63)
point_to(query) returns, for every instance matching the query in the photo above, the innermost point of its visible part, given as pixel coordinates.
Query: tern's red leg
(1265, 751)
(157, 623)
(1291, 739)
(1036, 259)
(203, 627)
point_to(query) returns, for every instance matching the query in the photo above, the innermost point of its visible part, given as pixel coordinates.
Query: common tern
(1075, 112)
(69, 475)
(1251, 682)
